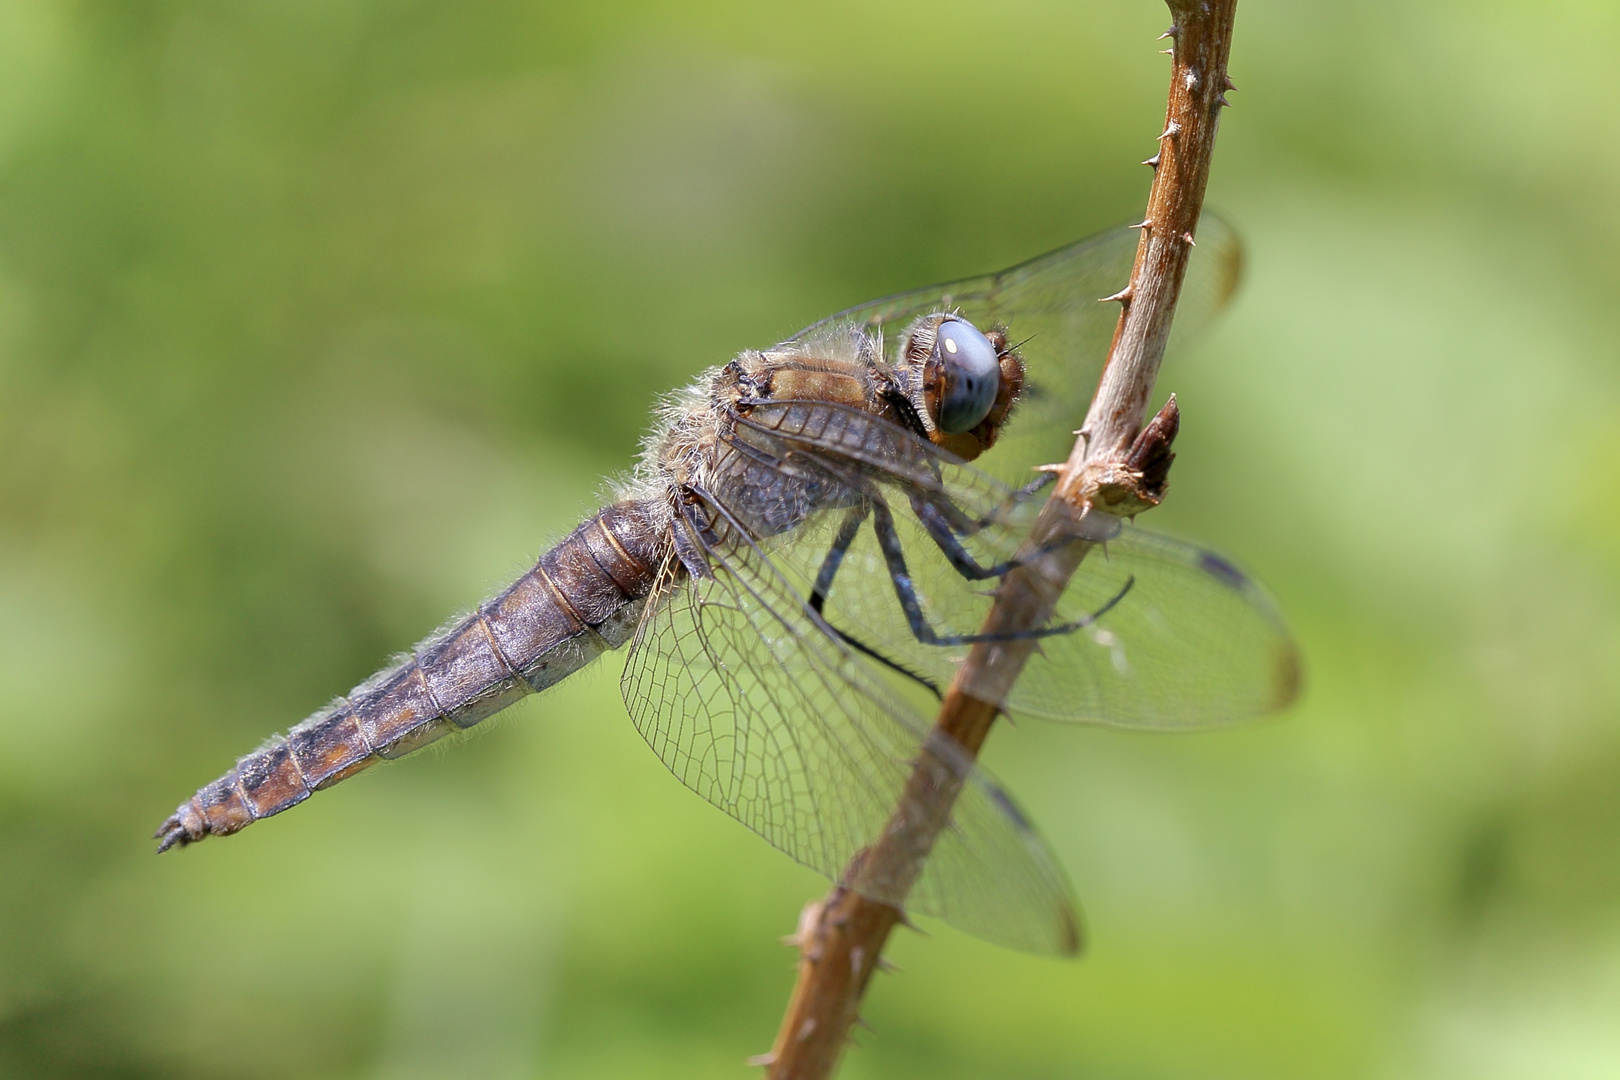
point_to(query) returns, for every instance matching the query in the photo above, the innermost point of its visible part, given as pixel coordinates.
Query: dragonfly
(800, 563)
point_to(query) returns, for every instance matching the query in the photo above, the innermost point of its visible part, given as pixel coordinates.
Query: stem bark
(841, 938)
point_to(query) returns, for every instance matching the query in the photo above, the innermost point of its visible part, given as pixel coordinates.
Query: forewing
(1051, 305)
(1171, 635)
(745, 696)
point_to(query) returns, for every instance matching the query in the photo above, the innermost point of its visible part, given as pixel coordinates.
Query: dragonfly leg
(835, 555)
(964, 524)
(895, 558)
(1035, 486)
(847, 532)
(946, 538)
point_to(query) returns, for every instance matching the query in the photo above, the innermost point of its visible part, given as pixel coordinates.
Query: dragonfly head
(962, 382)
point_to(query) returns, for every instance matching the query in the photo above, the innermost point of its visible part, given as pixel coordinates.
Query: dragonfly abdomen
(582, 598)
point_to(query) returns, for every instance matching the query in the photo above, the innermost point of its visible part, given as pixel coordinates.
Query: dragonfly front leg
(946, 535)
(894, 557)
(964, 524)
(945, 538)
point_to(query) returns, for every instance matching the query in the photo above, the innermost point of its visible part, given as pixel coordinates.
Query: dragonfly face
(799, 565)
(961, 382)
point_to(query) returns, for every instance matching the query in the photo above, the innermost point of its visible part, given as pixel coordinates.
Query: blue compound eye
(972, 376)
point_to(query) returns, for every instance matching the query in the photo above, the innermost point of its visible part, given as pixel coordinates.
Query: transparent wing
(1184, 639)
(1170, 635)
(1050, 303)
(745, 696)
(1194, 642)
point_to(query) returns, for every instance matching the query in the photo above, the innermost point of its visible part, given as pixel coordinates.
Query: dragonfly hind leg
(847, 532)
(894, 558)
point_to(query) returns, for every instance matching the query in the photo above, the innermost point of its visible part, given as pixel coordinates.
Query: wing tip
(1287, 676)
(1071, 937)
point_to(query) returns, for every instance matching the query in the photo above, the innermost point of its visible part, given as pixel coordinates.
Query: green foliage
(318, 320)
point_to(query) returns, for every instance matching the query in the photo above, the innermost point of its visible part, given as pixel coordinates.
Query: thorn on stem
(1187, 236)
(1167, 52)
(1171, 130)
(761, 1061)
(1122, 297)
(1229, 84)
(1170, 33)
(809, 917)
(884, 964)
(1144, 224)
(1220, 99)
(1191, 80)
(1153, 161)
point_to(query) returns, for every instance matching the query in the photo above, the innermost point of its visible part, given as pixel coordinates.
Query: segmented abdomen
(583, 597)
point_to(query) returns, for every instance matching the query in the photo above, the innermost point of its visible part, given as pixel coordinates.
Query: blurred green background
(318, 319)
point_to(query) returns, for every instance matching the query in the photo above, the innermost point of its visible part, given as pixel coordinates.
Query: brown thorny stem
(1116, 465)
